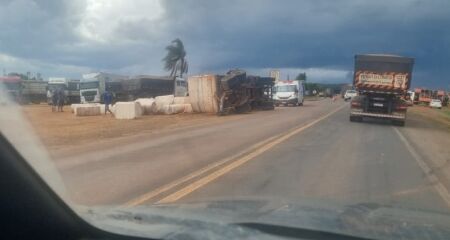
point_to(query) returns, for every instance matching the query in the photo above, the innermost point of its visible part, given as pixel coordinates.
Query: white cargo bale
(88, 110)
(181, 100)
(203, 93)
(162, 101)
(127, 110)
(148, 105)
(74, 106)
(176, 108)
(188, 108)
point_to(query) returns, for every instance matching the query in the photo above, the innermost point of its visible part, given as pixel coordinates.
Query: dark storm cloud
(321, 34)
(259, 34)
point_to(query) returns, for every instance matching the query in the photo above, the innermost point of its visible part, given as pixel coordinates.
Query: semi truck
(124, 88)
(146, 86)
(93, 85)
(288, 92)
(382, 82)
(13, 87)
(34, 91)
(71, 88)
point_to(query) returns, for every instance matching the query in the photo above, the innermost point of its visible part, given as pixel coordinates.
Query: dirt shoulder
(429, 132)
(441, 116)
(63, 130)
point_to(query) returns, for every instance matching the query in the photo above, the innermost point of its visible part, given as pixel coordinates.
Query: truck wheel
(355, 119)
(399, 123)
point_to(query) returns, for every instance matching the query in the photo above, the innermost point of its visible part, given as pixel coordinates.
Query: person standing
(107, 98)
(61, 98)
(54, 99)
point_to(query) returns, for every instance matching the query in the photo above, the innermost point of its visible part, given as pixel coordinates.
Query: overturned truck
(233, 92)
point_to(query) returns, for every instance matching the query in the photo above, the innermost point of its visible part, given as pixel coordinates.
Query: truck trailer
(34, 91)
(382, 82)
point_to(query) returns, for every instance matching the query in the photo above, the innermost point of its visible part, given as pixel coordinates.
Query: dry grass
(58, 129)
(438, 115)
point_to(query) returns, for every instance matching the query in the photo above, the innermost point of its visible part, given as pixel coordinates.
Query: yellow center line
(222, 171)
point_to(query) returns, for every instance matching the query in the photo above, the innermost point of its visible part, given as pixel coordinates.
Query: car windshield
(322, 115)
(89, 85)
(286, 88)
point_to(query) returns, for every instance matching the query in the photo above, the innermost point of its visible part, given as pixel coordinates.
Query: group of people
(57, 97)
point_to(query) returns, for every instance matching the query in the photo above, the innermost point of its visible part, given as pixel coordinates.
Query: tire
(399, 123)
(301, 104)
(355, 119)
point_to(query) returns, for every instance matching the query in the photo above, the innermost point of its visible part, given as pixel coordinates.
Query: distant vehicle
(422, 95)
(71, 88)
(382, 82)
(349, 94)
(288, 92)
(436, 103)
(13, 87)
(145, 86)
(329, 92)
(34, 91)
(93, 85)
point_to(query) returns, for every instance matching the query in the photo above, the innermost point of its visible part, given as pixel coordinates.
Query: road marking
(222, 171)
(440, 188)
(167, 187)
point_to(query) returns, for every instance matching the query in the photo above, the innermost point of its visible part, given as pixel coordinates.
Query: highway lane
(127, 169)
(334, 160)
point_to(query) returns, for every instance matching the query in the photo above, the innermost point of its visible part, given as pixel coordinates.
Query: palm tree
(175, 60)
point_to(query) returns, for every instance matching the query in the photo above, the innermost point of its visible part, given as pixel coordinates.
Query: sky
(68, 38)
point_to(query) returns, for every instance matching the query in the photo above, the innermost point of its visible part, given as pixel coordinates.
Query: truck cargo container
(233, 92)
(382, 81)
(146, 86)
(34, 91)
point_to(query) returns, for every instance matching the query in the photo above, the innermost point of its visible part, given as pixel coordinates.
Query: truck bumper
(398, 116)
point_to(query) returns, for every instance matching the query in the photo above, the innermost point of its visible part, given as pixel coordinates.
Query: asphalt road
(293, 153)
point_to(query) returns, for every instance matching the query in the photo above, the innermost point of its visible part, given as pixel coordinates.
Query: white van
(288, 92)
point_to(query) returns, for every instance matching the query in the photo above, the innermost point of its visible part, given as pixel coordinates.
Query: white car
(349, 94)
(436, 103)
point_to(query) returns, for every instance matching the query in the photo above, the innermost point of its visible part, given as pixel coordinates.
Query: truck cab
(70, 87)
(288, 92)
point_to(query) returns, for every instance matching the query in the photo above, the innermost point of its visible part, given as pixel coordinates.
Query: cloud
(319, 37)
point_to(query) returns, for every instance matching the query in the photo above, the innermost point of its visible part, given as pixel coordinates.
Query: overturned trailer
(233, 92)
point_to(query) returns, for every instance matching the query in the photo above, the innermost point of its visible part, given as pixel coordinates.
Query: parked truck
(146, 86)
(124, 88)
(382, 81)
(93, 85)
(13, 87)
(288, 92)
(71, 88)
(34, 91)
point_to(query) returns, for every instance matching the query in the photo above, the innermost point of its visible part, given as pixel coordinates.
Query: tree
(175, 60)
(301, 76)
